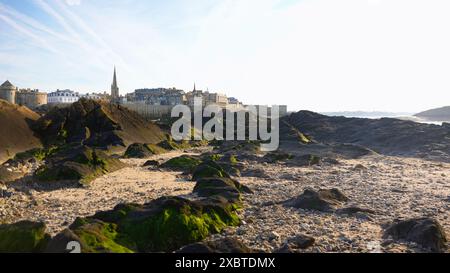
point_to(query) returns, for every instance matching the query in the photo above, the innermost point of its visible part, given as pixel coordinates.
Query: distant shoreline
(379, 115)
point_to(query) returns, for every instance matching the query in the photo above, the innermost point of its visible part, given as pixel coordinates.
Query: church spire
(195, 89)
(115, 77)
(114, 88)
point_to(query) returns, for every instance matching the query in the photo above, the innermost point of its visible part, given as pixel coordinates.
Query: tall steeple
(195, 89)
(114, 88)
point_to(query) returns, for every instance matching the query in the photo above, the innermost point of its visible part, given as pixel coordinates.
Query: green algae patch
(182, 163)
(100, 237)
(165, 224)
(39, 154)
(23, 237)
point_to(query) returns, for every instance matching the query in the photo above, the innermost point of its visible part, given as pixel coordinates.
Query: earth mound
(16, 133)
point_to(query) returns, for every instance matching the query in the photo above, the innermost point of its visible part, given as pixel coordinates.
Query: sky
(320, 55)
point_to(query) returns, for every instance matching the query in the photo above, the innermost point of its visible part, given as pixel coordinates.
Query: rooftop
(7, 84)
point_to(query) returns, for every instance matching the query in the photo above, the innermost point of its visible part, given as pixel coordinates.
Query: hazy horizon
(319, 55)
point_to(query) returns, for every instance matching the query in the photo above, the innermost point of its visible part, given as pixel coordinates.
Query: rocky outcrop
(426, 232)
(386, 136)
(16, 134)
(96, 124)
(80, 164)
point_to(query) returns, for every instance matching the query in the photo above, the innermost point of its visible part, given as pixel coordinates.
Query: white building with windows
(63, 97)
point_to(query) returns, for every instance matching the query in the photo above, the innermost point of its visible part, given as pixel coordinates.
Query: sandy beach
(393, 187)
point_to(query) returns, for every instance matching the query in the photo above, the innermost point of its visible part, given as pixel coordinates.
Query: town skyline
(308, 54)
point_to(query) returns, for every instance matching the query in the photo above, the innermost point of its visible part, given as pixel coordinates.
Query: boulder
(323, 200)
(140, 150)
(23, 237)
(426, 232)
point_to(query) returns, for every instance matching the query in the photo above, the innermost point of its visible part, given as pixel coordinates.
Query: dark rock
(226, 245)
(322, 200)
(149, 163)
(297, 243)
(426, 232)
(140, 150)
(23, 237)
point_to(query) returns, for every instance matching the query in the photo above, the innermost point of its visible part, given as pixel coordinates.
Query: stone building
(8, 92)
(207, 98)
(31, 98)
(63, 97)
(26, 97)
(97, 96)
(158, 96)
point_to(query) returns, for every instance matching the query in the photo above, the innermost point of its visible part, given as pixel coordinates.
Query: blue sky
(322, 55)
